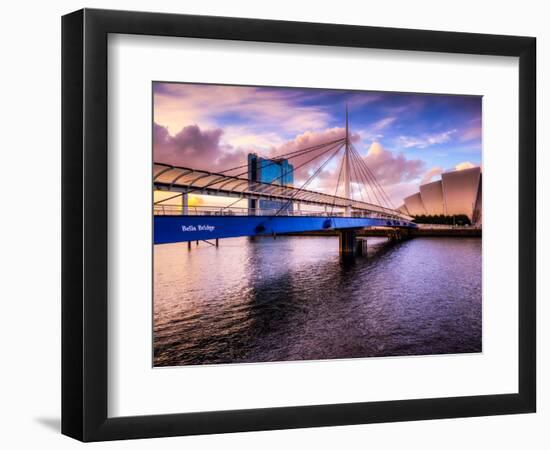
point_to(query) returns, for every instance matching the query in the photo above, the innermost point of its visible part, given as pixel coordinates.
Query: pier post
(217, 243)
(361, 246)
(348, 243)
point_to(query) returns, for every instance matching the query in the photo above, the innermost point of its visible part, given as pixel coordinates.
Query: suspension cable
(371, 175)
(361, 178)
(290, 155)
(296, 153)
(383, 192)
(231, 204)
(169, 198)
(359, 169)
(357, 183)
(369, 182)
(339, 147)
(387, 202)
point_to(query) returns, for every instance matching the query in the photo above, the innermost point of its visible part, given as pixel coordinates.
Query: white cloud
(391, 167)
(195, 148)
(433, 172)
(426, 140)
(464, 165)
(375, 131)
(200, 148)
(178, 105)
(243, 137)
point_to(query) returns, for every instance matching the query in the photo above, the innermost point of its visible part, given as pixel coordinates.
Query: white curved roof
(460, 191)
(414, 205)
(432, 197)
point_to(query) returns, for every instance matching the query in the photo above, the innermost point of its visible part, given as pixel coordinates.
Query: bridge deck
(177, 228)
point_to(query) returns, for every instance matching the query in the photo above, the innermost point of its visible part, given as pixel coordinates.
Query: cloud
(426, 140)
(191, 140)
(398, 192)
(375, 131)
(436, 171)
(383, 123)
(464, 165)
(472, 130)
(178, 104)
(358, 100)
(306, 164)
(394, 172)
(196, 148)
(433, 172)
(203, 149)
(472, 133)
(241, 136)
(390, 167)
(312, 138)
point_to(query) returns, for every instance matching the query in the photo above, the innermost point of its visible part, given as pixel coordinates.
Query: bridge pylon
(347, 169)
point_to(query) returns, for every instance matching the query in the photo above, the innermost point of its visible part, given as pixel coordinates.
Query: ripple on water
(293, 298)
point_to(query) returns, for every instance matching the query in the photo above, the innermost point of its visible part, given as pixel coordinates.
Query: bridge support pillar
(361, 246)
(185, 203)
(398, 234)
(348, 243)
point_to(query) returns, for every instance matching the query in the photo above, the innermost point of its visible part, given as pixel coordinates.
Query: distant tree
(440, 219)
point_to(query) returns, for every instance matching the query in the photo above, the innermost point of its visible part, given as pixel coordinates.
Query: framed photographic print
(273, 224)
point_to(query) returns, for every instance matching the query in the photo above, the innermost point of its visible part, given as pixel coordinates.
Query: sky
(405, 139)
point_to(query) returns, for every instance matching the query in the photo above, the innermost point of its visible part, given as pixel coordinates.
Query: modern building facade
(415, 205)
(431, 195)
(458, 192)
(275, 171)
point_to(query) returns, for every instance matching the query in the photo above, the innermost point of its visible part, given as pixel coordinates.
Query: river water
(294, 299)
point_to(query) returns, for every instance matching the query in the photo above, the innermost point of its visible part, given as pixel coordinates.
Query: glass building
(274, 171)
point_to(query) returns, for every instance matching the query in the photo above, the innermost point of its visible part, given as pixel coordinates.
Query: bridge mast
(347, 175)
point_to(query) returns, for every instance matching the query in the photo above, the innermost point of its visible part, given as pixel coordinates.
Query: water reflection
(293, 298)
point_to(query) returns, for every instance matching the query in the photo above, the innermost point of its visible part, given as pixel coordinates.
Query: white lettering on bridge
(208, 228)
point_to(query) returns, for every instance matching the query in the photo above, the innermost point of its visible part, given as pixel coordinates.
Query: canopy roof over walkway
(187, 180)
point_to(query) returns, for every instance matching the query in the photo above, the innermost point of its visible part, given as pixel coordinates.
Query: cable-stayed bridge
(362, 204)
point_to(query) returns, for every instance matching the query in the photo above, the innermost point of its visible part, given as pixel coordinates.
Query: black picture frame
(84, 224)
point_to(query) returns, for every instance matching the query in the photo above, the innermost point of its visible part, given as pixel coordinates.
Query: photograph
(308, 224)
(268, 225)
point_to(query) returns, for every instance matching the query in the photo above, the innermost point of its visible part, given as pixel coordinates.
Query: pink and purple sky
(405, 139)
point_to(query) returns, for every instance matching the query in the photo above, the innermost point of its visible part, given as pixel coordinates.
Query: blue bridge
(174, 228)
(274, 207)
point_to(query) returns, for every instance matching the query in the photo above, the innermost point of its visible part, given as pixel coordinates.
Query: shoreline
(418, 232)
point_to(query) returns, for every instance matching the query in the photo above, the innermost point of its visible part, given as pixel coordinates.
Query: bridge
(364, 203)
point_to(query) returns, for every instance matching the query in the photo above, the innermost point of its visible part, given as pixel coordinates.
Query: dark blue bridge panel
(170, 229)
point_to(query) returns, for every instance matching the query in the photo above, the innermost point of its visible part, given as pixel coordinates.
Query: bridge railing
(178, 210)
